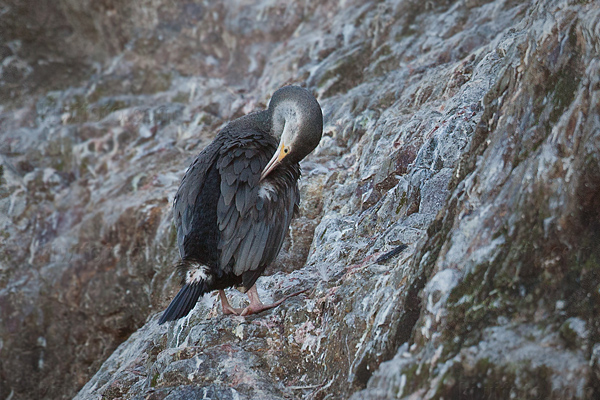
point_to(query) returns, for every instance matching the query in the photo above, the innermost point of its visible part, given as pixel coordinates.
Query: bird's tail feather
(183, 302)
(195, 283)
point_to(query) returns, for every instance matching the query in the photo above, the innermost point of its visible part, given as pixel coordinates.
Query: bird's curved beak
(279, 155)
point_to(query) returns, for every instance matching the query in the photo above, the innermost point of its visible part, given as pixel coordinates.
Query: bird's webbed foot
(227, 308)
(257, 306)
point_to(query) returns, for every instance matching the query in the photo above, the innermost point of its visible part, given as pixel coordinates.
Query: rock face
(468, 131)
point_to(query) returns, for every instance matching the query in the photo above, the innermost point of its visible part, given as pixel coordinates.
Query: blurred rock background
(468, 130)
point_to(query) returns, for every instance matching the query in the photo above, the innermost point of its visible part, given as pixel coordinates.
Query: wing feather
(243, 255)
(228, 191)
(260, 243)
(227, 253)
(255, 165)
(228, 212)
(253, 225)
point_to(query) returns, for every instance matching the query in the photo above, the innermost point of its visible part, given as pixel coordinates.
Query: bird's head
(297, 120)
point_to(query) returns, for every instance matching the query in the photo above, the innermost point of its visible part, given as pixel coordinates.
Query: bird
(235, 202)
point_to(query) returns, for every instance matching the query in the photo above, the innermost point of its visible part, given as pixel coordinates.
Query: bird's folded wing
(252, 216)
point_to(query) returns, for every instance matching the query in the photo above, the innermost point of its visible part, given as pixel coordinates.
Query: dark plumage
(235, 202)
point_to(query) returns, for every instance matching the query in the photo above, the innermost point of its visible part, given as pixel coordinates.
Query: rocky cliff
(468, 131)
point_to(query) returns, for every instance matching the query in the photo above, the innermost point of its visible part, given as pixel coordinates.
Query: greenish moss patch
(154, 380)
(487, 380)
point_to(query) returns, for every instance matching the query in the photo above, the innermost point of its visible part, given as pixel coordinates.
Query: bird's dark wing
(194, 207)
(253, 216)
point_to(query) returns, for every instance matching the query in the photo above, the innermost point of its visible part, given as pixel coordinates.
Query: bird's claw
(257, 307)
(231, 310)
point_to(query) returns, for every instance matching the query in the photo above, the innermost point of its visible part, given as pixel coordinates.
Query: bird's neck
(260, 120)
(263, 118)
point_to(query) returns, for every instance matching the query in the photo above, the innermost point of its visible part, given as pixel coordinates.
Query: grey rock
(467, 130)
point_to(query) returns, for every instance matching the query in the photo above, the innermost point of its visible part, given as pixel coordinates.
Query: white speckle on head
(266, 190)
(197, 273)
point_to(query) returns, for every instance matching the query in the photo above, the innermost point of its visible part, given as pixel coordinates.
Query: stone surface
(467, 130)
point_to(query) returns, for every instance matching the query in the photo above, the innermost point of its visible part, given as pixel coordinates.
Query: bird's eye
(286, 150)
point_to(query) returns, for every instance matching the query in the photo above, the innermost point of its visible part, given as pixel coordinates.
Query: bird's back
(195, 211)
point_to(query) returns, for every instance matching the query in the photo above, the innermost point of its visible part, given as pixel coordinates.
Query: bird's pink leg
(227, 309)
(257, 306)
